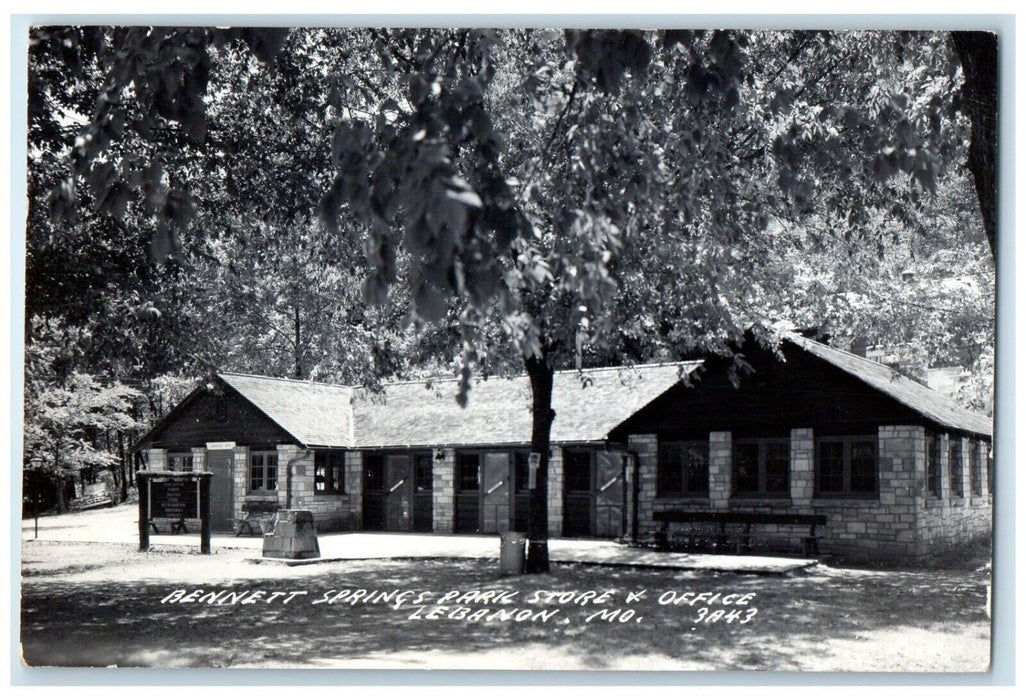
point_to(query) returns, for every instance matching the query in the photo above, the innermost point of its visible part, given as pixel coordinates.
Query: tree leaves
(604, 56)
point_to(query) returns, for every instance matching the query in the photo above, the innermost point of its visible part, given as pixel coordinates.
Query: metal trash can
(511, 553)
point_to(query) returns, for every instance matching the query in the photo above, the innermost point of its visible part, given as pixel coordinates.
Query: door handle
(489, 491)
(397, 485)
(608, 484)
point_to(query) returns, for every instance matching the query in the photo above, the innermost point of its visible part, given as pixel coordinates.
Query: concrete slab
(119, 526)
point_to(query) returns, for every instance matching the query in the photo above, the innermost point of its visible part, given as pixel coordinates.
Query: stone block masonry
(555, 491)
(645, 449)
(900, 522)
(156, 460)
(803, 477)
(240, 473)
(721, 450)
(331, 511)
(443, 491)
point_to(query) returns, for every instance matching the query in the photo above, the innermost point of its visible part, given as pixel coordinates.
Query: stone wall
(332, 511)
(951, 520)
(241, 479)
(863, 529)
(901, 523)
(644, 447)
(156, 460)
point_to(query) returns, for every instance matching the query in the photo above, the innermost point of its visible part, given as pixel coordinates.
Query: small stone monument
(294, 536)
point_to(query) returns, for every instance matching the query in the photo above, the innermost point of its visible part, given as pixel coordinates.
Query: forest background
(363, 205)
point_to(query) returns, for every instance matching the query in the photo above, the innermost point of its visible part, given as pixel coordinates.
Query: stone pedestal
(294, 536)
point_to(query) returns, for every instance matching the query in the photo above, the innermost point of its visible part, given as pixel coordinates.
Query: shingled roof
(931, 404)
(314, 414)
(588, 406)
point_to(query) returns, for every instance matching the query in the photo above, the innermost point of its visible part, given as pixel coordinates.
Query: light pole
(36, 463)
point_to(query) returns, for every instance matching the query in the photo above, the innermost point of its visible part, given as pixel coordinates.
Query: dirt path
(102, 605)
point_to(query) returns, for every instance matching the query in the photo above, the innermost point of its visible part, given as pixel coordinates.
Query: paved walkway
(118, 525)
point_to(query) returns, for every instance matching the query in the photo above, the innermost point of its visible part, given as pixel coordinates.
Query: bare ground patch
(100, 605)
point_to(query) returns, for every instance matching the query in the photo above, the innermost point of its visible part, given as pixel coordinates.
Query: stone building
(898, 470)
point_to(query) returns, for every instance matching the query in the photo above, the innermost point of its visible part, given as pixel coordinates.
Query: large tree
(581, 194)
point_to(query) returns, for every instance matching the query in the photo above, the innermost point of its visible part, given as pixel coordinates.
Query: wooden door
(609, 494)
(374, 492)
(399, 500)
(423, 492)
(468, 492)
(222, 464)
(521, 493)
(495, 493)
(577, 493)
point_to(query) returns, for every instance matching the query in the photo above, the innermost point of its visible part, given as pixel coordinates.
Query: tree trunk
(978, 52)
(61, 506)
(541, 375)
(122, 469)
(298, 338)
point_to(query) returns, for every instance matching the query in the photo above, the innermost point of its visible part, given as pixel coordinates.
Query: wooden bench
(254, 510)
(810, 542)
(91, 501)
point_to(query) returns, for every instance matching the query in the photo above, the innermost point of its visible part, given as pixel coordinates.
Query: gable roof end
(316, 414)
(931, 404)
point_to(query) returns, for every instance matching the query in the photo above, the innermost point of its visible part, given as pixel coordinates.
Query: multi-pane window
(263, 471)
(329, 472)
(955, 466)
(468, 467)
(683, 468)
(179, 462)
(846, 466)
(990, 467)
(975, 477)
(423, 473)
(762, 467)
(933, 465)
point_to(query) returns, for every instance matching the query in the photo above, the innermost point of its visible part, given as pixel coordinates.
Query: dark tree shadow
(124, 623)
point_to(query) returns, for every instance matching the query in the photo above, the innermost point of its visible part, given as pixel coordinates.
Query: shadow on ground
(796, 618)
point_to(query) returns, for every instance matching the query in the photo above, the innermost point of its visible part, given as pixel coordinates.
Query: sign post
(144, 511)
(174, 497)
(204, 508)
(533, 464)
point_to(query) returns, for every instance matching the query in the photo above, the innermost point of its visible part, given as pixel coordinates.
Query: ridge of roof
(419, 411)
(438, 379)
(304, 382)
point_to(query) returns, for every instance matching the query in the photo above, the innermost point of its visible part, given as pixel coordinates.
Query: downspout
(631, 471)
(288, 476)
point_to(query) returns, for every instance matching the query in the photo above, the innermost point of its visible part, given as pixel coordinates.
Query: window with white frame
(263, 472)
(179, 462)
